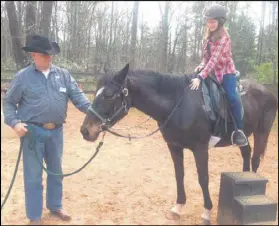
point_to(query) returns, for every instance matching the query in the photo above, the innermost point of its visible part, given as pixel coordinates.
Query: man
(41, 91)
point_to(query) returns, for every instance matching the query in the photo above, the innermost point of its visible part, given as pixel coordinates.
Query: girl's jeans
(229, 85)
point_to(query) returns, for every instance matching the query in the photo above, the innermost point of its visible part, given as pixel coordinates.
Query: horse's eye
(109, 97)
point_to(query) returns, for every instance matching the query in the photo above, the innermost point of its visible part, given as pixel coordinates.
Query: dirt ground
(129, 182)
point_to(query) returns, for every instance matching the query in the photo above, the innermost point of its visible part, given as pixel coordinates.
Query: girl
(217, 58)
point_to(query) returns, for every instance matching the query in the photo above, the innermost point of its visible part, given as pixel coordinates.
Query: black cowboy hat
(41, 44)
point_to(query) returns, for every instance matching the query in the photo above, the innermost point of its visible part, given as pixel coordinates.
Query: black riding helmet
(215, 11)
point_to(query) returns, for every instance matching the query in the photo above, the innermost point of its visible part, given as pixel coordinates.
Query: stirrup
(246, 140)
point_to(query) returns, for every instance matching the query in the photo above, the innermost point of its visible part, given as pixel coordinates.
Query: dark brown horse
(156, 95)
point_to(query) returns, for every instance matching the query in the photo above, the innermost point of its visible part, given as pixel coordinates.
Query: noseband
(106, 122)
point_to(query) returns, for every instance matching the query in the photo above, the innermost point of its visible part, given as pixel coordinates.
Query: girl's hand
(199, 68)
(195, 83)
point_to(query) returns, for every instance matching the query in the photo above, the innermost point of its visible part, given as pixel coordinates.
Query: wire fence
(86, 81)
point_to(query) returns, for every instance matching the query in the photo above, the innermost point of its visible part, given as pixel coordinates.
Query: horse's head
(111, 104)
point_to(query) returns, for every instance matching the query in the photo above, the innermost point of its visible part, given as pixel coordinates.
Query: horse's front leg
(177, 157)
(201, 159)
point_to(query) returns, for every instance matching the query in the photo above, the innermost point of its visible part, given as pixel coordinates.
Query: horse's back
(260, 106)
(259, 93)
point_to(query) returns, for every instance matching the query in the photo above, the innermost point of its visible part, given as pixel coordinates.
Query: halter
(106, 122)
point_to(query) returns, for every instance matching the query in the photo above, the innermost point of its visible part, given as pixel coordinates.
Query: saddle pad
(214, 103)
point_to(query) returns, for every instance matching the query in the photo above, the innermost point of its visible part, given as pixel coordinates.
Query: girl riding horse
(217, 58)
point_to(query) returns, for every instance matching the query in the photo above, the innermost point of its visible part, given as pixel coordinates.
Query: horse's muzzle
(89, 136)
(84, 131)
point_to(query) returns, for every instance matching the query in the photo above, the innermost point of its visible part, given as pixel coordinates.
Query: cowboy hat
(41, 44)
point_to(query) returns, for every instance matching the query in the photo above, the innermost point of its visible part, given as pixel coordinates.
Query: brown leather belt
(49, 125)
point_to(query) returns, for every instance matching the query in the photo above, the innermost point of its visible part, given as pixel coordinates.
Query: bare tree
(164, 38)
(55, 27)
(30, 18)
(261, 35)
(46, 18)
(274, 6)
(134, 34)
(90, 22)
(6, 49)
(186, 45)
(89, 37)
(171, 61)
(108, 61)
(20, 12)
(20, 58)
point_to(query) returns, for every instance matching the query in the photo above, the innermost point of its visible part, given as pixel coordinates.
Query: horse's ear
(121, 75)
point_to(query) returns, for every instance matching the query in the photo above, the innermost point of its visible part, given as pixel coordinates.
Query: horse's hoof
(172, 215)
(205, 222)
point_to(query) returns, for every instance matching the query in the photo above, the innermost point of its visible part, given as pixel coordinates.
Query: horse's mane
(162, 82)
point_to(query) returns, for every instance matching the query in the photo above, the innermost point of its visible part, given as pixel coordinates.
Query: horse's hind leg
(261, 137)
(177, 157)
(260, 142)
(246, 156)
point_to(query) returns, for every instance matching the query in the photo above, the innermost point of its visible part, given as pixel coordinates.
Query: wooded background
(92, 33)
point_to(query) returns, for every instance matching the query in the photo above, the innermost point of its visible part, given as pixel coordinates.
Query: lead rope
(47, 171)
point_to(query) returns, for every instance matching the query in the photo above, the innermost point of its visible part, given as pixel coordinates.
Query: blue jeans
(229, 85)
(51, 151)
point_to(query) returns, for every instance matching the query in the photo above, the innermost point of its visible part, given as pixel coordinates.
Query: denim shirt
(42, 99)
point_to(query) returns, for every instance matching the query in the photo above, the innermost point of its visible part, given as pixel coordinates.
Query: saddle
(216, 104)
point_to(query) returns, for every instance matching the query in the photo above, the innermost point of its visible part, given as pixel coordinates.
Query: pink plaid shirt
(221, 61)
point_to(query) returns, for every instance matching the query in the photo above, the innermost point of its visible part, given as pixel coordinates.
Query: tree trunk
(172, 53)
(89, 46)
(5, 44)
(109, 50)
(19, 56)
(55, 22)
(46, 17)
(142, 45)
(186, 50)
(19, 15)
(38, 15)
(125, 47)
(65, 49)
(169, 50)
(134, 34)
(30, 19)
(186, 45)
(164, 46)
(200, 34)
(261, 35)
(273, 33)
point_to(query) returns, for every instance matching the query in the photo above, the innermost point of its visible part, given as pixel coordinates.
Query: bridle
(124, 108)
(106, 123)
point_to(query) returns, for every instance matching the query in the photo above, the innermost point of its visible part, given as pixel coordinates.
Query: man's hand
(20, 129)
(195, 83)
